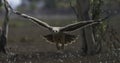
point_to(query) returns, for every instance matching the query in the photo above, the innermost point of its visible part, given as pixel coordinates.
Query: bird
(4, 30)
(59, 35)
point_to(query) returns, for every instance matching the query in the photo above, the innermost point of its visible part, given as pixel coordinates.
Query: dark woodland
(82, 31)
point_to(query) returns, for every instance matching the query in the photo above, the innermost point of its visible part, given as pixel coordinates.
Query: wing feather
(33, 19)
(81, 24)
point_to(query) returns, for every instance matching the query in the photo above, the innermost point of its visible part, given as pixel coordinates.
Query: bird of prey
(4, 31)
(59, 35)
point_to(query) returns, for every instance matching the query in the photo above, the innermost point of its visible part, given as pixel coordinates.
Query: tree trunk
(83, 7)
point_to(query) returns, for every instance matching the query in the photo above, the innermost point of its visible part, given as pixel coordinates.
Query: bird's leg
(58, 47)
(63, 41)
(55, 39)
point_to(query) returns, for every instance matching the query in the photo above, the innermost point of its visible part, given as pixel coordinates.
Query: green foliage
(1, 3)
(33, 4)
(50, 3)
(96, 14)
(65, 3)
(59, 3)
(96, 8)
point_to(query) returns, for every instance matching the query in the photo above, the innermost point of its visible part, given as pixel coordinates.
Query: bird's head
(56, 29)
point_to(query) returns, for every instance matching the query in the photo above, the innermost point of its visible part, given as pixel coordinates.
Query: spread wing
(81, 24)
(33, 19)
(37, 21)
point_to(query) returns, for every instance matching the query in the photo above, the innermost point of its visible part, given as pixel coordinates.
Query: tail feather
(68, 39)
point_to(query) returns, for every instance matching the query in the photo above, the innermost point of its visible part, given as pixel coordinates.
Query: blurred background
(54, 12)
(26, 37)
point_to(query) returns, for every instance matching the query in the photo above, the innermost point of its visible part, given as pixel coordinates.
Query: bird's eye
(56, 31)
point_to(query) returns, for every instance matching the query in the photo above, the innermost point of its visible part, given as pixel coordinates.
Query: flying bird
(59, 35)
